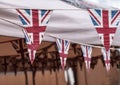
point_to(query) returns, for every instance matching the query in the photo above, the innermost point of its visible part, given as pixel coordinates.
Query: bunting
(63, 47)
(106, 23)
(87, 51)
(34, 22)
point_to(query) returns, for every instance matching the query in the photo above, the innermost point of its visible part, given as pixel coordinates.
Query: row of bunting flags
(35, 22)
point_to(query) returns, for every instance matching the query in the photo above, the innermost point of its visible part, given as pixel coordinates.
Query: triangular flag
(106, 23)
(63, 47)
(87, 51)
(34, 22)
(106, 55)
(32, 53)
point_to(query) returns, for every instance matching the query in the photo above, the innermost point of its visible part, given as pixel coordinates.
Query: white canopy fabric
(73, 25)
(105, 3)
(35, 4)
(57, 4)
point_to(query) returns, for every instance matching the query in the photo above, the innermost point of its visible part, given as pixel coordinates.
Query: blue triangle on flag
(22, 20)
(98, 11)
(113, 12)
(43, 12)
(94, 22)
(27, 11)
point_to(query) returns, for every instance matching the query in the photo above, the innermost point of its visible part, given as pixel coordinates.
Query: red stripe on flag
(45, 16)
(94, 16)
(115, 17)
(23, 16)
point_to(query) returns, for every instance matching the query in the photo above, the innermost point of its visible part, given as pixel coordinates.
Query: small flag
(105, 23)
(87, 51)
(106, 55)
(34, 22)
(63, 47)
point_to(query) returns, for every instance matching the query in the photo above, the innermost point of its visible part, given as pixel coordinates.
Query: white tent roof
(106, 3)
(74, 25)
(35, 4)
(56, 4)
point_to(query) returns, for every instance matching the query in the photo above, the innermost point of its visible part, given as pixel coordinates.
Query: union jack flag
(34, 22)
(63, 47)
(106, 23)
(106, 56)
(87, 51)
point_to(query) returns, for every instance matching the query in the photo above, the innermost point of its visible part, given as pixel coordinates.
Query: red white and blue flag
(106, 23)
(34, 22)
(87, 51)
(63, 48)
(106, 56)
